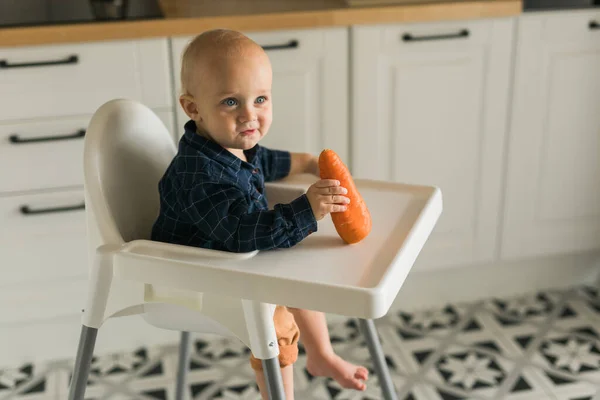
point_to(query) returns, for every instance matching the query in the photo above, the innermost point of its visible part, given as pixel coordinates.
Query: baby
(212, 194)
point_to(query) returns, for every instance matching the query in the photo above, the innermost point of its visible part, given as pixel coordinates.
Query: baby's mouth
(248, 132)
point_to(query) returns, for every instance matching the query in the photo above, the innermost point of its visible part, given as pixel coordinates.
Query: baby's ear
(188, 103)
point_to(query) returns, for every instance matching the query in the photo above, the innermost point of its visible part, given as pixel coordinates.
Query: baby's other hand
(313, 166)
(326, 196)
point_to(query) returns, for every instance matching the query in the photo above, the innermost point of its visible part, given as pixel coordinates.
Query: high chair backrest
(127, 150)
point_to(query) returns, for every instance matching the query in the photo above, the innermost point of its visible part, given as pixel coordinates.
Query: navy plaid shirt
(210, 198)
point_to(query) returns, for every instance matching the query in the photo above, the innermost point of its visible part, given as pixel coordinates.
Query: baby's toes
(361, 373)
(355, 384)
(358, 385)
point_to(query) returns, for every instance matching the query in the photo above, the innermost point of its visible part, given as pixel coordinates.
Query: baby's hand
(325, 196)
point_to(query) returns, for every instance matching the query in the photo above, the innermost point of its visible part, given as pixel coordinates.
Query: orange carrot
(354, 224)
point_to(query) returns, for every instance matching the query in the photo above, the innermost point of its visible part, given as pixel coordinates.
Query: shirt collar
(214, 150)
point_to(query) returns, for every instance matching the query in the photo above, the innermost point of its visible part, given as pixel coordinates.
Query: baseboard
(57, 339)
(424, 289)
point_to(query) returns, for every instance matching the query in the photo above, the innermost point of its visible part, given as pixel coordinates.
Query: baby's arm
(304, 163)
(220, 212)
(277, 164)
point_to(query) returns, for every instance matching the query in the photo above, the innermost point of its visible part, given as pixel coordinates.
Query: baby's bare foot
(348, 375)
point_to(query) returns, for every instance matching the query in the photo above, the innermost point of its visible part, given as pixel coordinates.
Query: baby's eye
(261, 99)
(230, 102)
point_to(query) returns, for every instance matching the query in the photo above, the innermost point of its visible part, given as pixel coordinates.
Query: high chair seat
(127, 150)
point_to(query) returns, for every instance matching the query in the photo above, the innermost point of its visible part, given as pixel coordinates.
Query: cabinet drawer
(73, 79)
(42, 237)
(439, 36)
(569, 27)
(292, 44)
(43, 154)
(46, 153)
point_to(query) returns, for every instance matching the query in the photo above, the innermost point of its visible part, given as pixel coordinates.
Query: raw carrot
(354, 224)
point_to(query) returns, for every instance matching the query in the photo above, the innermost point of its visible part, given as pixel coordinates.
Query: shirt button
(255, 171)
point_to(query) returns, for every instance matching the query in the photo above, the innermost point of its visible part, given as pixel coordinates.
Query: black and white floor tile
(533, 347)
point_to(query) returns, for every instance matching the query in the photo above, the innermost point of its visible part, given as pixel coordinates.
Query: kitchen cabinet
(48, 96)
(429, 106)
(310, 88)
(553, 168)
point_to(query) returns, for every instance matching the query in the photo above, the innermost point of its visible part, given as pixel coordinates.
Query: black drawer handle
(19, 140)
(292, 44)
(74, 59)
(594, 25)
(26, 210)
(407, 37)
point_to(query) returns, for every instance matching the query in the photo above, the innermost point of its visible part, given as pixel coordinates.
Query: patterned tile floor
(534, 347)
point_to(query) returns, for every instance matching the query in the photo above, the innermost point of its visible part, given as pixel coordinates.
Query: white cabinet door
(553, 178)
(310, 88)
(429, 106)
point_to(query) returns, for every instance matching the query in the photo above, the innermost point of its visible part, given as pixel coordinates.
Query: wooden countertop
(189, 17)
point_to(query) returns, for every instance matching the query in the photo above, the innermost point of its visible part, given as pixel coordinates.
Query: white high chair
(127, 150)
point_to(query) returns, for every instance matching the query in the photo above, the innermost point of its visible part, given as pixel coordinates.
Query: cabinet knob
(26, 210)
(292, 44)
(16, 139)
(73, 59)
(464, 33)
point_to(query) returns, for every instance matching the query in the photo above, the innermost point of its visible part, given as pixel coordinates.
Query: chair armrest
(176, 252)
(180, 267)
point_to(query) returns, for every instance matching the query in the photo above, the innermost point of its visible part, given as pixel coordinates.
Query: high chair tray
(322, 272)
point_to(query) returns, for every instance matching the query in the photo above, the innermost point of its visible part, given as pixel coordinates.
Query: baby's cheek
(229, 123)
(265, 120)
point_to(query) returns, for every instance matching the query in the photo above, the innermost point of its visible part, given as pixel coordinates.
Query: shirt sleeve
(276, 164)
(223, 217)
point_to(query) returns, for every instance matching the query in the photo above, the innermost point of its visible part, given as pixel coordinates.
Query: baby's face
(234, 100)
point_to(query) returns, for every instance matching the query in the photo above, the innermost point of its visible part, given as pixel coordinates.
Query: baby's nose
(247, 116)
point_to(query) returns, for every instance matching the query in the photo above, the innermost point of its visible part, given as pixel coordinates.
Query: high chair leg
(85, 351)
(381, 369)
(184, 352)
(263, 344)
(273, 379)
(98, 288)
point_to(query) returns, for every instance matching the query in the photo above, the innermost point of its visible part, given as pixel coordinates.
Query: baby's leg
(287, 374)
(321, 359)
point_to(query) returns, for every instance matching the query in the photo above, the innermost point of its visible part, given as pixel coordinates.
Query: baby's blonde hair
(217, 43)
